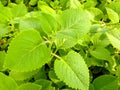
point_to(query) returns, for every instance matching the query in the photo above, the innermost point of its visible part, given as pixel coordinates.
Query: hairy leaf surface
(73, 71)
(74, 25)
(27, 52)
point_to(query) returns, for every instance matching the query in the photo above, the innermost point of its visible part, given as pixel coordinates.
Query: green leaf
(64, 3)
(90, 3)
(65, 39)
(27, 52)
(5, 17)
(19, 10)
(45, 8)
(54, 78)
(41, 74)
(99, 39)
(91, 87)
(46, 85)
(19, 1)
(75, 4)
(114, 6)
(93, 62)
(39, 21)
(101, 53)
(30, 23)
(4, 2)
(112, 15)
(29, 86)
(118, 72)
(73, 71)
(74, 25)
(75, 20)
(97, 13)
(33, 2)
(7, 83)
(2, 58)
(49, 24)
(3, 29)
(19, 76)
(106, 82)
(114, 39)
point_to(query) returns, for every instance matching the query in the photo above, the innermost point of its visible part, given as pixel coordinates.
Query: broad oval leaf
(46, 84)
(75, 24)
(113, 16)
(19, 10)
(73, 71)
(27, 52)
(76, 20)
(29, 86)
(5, 17)
(40, 21)
(19, 76)
(7, 83)
(75, 4)
(65, 39)
(96, 13)
(114, 39)
(29, 23)
(114, 6)
(101, 53)
(45, 8)
(106, 82)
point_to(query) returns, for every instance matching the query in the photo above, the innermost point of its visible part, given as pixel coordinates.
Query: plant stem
(53, 54)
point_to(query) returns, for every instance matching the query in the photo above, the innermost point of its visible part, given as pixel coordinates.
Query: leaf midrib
(84, 84)
(30, 51)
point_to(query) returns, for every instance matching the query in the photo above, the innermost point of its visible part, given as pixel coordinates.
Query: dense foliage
(59, 45)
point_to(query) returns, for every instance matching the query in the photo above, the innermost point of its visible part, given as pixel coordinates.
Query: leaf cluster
(59, 45)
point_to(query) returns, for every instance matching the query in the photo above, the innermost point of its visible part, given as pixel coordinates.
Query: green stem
(53, 54)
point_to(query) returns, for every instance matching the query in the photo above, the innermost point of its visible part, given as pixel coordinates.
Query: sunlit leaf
(27, 52)
(73, 71)
(7, 83)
